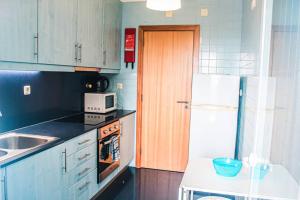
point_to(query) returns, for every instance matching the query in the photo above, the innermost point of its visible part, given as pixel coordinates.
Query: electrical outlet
(27, 90)
(120, 86)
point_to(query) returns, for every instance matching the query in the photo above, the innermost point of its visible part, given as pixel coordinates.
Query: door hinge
(140, 151)
(141, 97)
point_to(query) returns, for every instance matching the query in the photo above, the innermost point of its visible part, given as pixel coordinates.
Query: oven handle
(110, 141)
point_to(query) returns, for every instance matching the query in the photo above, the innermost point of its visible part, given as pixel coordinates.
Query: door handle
(187, 103)
(184, 102)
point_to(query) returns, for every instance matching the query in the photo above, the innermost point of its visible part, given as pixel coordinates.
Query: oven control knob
(110, 129)
(105, 132)
(116, 127)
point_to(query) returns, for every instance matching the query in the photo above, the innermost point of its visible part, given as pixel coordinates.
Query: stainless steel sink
(3, 153)
(13, 144)
(20, 142)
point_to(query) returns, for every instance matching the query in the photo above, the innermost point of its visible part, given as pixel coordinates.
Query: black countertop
(64, 129)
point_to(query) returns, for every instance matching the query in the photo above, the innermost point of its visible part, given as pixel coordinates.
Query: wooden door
(89, 33)
(111, 34)
(166, 82)
(18, 35)
(57, 31)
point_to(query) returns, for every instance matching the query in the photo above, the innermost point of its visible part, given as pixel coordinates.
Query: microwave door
(109, 101)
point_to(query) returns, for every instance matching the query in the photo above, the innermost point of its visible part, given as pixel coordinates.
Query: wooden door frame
(142, 30)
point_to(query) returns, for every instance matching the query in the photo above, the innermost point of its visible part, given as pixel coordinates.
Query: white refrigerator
(214, 114)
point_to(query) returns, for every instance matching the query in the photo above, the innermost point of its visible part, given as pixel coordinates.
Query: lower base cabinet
(2, 185)
(65, 172)
(37, 177)
(84, 189)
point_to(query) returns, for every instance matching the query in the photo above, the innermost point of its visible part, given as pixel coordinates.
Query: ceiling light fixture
(164, 5)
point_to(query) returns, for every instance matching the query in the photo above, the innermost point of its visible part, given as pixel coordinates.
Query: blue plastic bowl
(260, 171)
(227, 167)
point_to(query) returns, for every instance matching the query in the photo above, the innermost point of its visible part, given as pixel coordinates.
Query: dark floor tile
(143, 184)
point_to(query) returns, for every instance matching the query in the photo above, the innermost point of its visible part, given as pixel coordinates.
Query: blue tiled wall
(250, 37)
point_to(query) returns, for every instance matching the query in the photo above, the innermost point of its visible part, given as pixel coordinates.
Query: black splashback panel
(53, 95)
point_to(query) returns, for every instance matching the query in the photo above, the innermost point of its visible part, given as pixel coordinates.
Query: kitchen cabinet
(127, 140)
(2, 184)
(18, 35)
(51, 33)
(37, 177)
(112, 34)
(57, 28)
(80, 167)
(89, 33)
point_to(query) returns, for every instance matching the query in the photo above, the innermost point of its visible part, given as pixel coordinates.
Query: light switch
(169, 14)
(27, 90)
(120, 86)
(204, 12)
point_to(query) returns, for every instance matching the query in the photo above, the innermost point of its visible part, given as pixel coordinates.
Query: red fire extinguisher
(129, 54)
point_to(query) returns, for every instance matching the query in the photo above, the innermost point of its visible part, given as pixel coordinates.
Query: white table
(200, 176)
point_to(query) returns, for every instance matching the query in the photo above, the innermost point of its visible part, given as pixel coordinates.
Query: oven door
(108, 155)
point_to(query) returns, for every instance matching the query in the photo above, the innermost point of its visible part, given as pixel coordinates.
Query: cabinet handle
(83, 186)
(80, 52)
(36, 40)
(85, 156)
(76, 52)
(83, 171)
(65, 161)
(104, 58)
(83, 142)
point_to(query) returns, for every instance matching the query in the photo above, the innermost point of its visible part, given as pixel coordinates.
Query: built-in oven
(108, 150)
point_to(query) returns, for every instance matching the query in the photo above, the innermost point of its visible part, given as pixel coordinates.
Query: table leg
(185, 194)
(180, 197)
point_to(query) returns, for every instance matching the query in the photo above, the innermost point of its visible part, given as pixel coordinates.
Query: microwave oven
(100, 102)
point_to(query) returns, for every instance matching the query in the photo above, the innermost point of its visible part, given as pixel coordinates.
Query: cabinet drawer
(85, 189)
(80, 172)
(81, 142)
(81, 156)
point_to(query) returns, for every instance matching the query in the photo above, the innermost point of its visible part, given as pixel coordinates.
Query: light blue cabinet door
(37, 177)
(112, 34)
(2, 184)
(57, 31)
(89, 33)
(18, 22)
(127, 140)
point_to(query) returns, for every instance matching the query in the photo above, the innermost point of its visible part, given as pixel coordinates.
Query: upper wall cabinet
(82, 33)
(112, 34)
(89, 33)
(57, 20)
(18, 34)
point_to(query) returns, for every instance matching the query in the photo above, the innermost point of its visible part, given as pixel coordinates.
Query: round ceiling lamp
(164, 5)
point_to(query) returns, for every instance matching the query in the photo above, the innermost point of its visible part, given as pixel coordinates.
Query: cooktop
(89, 118)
